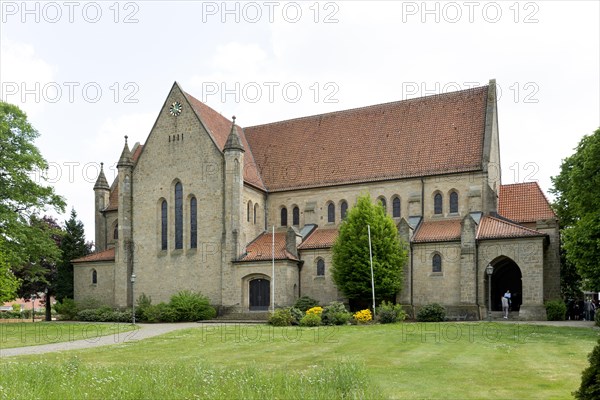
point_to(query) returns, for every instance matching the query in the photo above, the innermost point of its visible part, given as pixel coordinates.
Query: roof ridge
(509, 222)
(389, 103)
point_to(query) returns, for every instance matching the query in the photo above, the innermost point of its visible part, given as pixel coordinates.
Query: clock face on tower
(175, 109)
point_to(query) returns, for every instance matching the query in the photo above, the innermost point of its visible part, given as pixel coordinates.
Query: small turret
(101, 199)
(233, 140)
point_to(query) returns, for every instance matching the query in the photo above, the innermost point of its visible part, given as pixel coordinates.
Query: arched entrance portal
(506, 276)
(260, 297)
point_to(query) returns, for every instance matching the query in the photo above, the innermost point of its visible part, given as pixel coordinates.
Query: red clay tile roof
(438, 231)
(260, 249)
(524, 202)
(219, 127)
(426, 136)
(106, 255)
(495, 228)
(320, 239)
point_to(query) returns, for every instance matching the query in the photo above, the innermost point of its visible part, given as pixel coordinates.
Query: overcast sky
(88, 73)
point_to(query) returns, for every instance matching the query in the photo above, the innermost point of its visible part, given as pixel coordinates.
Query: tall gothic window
(178, 216)
(437, 204)
(436, 263)
(163, 225)
(330, 212)
(116, 232)
(193, 223)
(296, 216)
(453, 202)
(320, 267)
(284, 216)
(396, 207)
(255, 212)
(248, 207)
(344, 209)
(94, 277)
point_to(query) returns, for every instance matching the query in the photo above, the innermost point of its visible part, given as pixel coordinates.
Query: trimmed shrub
(161, 312)
(389, 313)
(335, 314)
(296, 315)
(556, 310)
(433, 312)
(143, 303)
(89, 315)
(305, 302)
(311, 320)
(190, 306)
(67, 309)
(281, 317)
(590, 377)
(363, 316)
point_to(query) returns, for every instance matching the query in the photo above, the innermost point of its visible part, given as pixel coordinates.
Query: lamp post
(33, 308)
(489, 270)
(132, 298)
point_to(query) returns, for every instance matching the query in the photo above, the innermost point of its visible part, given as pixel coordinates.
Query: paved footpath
(146, 331)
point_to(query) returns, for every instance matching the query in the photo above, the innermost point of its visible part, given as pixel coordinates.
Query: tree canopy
(351, 265)
(577, 190)
(21, 196)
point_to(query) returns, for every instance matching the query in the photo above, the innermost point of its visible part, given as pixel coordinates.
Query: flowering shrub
(363, 316)
(315, 310)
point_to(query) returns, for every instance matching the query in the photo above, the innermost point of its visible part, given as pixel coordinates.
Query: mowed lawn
(22, 334)
(410, 360)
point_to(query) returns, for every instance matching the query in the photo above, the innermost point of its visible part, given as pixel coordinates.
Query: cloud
(23, 74)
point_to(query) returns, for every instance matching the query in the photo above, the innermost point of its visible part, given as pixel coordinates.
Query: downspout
(422, 198)
(411, 277)
(300, 265)
(477, 278)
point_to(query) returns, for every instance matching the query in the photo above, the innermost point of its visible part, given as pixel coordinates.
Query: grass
(420, 360)
(23, 334)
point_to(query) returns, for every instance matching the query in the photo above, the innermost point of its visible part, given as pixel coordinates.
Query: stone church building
(192, 207)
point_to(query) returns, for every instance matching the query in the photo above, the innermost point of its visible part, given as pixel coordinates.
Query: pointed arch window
(453, 202)
(255, 212)
(178, 216)
(320, 267)
(94, 277)
(396, 207)
(330, 213)
(193, 223)
(248, 207)
(296, 216)
(163, 225)
(116, 232)
(436, 263)
(284, 216)
(437, 204)
(344, 209)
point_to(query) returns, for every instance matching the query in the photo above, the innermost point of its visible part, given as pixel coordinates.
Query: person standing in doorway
(505, 307)
(507, 296)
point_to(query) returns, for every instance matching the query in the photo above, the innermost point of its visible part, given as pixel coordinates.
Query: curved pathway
(143, 331)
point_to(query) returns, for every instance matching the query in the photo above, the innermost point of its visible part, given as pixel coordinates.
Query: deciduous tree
(577, 190)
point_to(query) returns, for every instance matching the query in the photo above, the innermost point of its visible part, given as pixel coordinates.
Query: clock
(175, 109)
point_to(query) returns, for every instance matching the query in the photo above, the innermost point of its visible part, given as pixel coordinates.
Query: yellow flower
(363, 316)
(315, 310)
